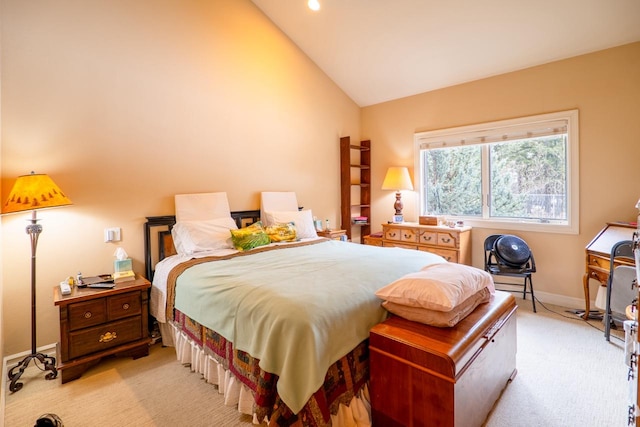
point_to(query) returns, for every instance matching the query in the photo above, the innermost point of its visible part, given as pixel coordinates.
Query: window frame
(484, 133)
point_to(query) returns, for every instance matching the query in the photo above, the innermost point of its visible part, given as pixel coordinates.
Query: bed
(281, 329)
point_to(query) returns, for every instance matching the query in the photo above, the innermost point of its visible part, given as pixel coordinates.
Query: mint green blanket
(296, 309)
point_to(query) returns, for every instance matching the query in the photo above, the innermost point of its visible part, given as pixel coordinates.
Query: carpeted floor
(568, 375)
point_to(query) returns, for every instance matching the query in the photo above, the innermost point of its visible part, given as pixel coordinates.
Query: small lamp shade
(34, 191)
(397, 179)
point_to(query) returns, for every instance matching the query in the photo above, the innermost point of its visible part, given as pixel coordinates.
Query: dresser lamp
(397, 179)
(30, 193)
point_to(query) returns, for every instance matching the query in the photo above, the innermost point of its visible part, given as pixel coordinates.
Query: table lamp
(397, 179)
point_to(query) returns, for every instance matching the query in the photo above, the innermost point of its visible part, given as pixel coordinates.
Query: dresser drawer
(87, 313)
(104, 337)
(428, 238)
(447, 240)
(454, 244)
(399, 245)
(401, 234)
(392, 233)
(449, 255)
(125, 305)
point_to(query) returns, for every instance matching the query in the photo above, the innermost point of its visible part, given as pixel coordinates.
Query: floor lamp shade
(30, 193)
(34, 191)
(398, 179)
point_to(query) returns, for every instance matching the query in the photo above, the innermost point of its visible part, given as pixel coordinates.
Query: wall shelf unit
(355, 187)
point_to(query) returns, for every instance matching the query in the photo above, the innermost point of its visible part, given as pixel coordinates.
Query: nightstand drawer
(373, 241)
(125, 305)
(87, 313)
(104, 336)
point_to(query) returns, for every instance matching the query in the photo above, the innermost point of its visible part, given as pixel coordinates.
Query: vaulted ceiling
(379, 50)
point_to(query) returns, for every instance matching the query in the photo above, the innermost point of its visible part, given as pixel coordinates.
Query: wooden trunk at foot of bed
(423, 375)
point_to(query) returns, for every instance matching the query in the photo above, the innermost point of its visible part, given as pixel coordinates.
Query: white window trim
(466, 134)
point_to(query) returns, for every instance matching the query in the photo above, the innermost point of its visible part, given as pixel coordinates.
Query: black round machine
(49, 420)
(511, 251)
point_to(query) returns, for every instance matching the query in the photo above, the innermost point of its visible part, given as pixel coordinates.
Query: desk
(598, 254)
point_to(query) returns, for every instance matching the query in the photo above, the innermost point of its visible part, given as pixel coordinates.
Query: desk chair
(620, 285)
(508, 255)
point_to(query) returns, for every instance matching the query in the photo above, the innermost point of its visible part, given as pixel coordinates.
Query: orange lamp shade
(34, 191)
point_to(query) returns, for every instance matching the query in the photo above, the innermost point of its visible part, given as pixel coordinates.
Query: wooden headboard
(158, 243)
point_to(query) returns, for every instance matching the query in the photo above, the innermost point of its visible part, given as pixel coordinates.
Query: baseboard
(562, 300)
(13, 359)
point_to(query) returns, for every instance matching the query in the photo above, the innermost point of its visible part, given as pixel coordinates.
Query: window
(513, 174)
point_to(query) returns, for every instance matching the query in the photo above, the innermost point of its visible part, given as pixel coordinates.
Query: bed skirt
(189, 352)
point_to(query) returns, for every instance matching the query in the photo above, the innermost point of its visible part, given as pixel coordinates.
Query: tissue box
(121, 265)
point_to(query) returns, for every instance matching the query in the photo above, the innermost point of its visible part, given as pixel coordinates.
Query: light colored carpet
(568, 375)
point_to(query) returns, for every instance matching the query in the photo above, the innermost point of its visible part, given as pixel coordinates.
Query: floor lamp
(33, 192)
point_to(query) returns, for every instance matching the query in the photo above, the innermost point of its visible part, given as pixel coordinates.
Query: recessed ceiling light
(314, 4)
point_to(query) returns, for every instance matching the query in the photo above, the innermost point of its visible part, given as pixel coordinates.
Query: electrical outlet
(112, 234)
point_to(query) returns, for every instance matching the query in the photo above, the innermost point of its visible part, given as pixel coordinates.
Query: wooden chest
(428, 376)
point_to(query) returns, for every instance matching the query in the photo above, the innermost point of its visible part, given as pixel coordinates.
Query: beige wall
(126, 103)
(603, 86)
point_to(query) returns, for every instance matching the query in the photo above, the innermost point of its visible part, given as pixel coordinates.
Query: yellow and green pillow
(282, 232)
(250, 237)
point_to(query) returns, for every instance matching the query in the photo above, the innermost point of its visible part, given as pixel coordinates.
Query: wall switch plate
(112, 234)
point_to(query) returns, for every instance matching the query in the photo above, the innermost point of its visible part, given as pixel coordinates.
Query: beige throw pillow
(439, 287)
(442, 319)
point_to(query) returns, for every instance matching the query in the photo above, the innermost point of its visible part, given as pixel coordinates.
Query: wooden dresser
(453, 244)
(598, 254)
(95, 323)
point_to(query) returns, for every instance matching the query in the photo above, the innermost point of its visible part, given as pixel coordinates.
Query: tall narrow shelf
(355, 177)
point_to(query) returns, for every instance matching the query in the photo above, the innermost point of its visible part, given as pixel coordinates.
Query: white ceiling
(379, 50)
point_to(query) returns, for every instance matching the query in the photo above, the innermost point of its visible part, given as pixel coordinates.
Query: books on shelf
(359, 219)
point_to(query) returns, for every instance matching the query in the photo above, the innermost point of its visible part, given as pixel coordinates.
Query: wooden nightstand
(95, 323)
(373, 240)
(332, 234)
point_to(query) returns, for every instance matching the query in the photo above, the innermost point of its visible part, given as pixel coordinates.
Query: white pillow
(303, 221)
(440, 287)
(201, 206)
(190, 237)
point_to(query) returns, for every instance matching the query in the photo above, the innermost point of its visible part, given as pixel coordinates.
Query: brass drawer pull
(447, 240)
(87, 314)
(125, 306)
(426, 239)
(109, 336)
